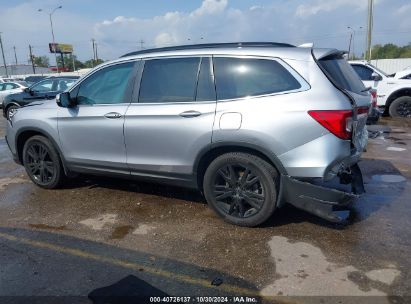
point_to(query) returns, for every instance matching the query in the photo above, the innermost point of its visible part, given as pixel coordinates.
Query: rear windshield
(342, 73)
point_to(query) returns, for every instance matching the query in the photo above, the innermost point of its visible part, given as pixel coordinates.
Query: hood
(402, 73)
(42, 104)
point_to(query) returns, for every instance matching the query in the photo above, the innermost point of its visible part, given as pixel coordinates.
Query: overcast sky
(118, 26)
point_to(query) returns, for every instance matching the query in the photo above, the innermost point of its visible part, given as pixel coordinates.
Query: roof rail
(210, 45)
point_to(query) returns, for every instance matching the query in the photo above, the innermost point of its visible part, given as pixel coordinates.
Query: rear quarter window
(243, 77)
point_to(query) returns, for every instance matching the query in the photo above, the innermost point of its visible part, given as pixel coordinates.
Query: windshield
(378, 70)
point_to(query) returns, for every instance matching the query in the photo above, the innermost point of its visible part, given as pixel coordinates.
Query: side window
(43, 86)
(65, 84)
(107, 86)
(169, 80)
(1, 87)
(238, 77)
(10, 86)
(363, 72)
(205, 87)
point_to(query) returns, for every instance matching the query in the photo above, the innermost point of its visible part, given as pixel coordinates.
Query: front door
(91, 133)
(171, 120)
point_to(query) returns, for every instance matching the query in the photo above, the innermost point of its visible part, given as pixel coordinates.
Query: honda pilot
(251, 125)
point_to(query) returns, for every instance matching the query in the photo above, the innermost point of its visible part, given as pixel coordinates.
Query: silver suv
(251, 125)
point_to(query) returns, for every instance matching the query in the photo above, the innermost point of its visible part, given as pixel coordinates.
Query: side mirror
(376, 77)
(65, 101)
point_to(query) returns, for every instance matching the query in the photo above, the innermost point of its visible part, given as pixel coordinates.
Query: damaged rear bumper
(322, 201)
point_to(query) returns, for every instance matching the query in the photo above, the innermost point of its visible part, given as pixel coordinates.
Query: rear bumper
(327, 203)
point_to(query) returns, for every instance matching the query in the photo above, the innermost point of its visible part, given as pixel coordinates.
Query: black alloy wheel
(238, 191)
(242, 188)
(42, 162)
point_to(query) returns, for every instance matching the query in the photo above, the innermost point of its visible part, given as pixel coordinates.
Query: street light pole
(352, 40)
(4, 59)
(52, 32)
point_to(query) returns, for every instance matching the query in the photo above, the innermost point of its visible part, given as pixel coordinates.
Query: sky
(119, 26)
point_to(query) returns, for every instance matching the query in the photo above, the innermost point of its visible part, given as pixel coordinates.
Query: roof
(210, 46)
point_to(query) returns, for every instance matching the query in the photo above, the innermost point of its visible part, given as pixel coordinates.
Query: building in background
(23, 69)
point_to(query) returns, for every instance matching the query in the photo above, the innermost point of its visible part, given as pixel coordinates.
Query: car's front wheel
(10, 111)
(242, 188)
(401, 107)
(42, 162)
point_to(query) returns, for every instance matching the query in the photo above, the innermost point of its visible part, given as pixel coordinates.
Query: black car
(33, 79)
(45, 89)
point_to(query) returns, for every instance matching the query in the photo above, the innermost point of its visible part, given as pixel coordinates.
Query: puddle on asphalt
(6, 181)
(5, 155)
(389, 178)
(48, 227)
(121, 231)
(396, 149)
(303, 270)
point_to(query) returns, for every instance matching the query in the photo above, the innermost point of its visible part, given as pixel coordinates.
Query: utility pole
(4, 59)
(142, 44)
(370, 22)
(15, 55)
(74, 63)
(352, 40)
(94, 51)
(32, 59)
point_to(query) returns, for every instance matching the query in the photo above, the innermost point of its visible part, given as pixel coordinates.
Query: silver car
(251, 125)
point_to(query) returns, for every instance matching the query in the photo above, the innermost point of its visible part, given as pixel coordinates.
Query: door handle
(112, 115)
(188, 114)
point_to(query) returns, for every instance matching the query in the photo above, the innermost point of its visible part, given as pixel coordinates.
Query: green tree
(68, 62)
(390, 51)
(92, 63)
(41, 61)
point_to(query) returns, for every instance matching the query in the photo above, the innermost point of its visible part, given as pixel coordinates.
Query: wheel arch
(12, 103)
(214, 150)
(397, 93)
(25, 133)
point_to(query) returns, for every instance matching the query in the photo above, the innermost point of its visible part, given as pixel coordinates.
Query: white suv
(393, 94)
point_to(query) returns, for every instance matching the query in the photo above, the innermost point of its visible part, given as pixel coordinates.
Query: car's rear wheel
(11, 110)
(401, 107)
(242, 188)
(42, 162)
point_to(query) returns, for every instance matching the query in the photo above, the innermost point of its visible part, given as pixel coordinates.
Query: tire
(9, 110)
(229, 193)
(42, 162)
(401, 107)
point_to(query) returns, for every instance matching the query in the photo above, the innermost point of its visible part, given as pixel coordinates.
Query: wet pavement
(98, 231)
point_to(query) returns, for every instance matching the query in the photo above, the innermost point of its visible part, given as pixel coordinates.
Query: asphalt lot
(164, 240)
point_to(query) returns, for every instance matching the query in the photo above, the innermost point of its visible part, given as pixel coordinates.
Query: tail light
(374, 99)
(338, 122)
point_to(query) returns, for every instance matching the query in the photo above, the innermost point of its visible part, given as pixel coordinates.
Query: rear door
(171, 118)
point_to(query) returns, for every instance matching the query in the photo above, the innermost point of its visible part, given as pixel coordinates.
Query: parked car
(251, 125)
(10, 88)
(33, 79)
(404, 74)
(45, 89)
(394, 95)
(4, 80)
(374, 113)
